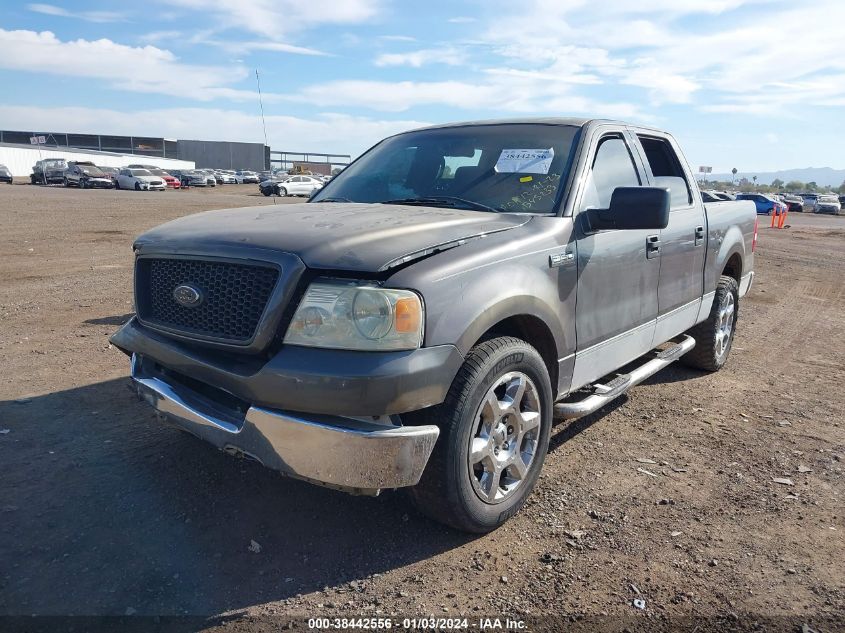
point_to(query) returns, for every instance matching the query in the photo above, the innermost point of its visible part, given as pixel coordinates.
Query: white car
(139, 180)
(226, 177)
(245, 177)
(299, 186)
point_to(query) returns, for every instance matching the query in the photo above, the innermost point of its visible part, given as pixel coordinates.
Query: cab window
(612, 167)
(666, 169)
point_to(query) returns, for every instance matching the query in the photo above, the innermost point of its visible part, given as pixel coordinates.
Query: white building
(20, 158)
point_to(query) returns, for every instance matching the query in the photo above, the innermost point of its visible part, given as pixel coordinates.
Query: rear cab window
(666, 169)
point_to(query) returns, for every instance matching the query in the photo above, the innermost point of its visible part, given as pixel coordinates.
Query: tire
(467, 493)
(283, 192)
(266, 192)
(65, 183)
(117, 184)
(712, 340)
(137, 186)
(82, 184)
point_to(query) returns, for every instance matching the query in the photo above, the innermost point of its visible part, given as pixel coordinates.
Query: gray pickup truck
(428, 315)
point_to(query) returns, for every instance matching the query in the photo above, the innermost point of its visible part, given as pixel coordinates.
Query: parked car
(827, 204)
(298, 186)
(765, 204)
(842, 201)
(139, 179)
(246, 177)
(86, 175)
(210, 177)
(809, 201)
(270, 186)
(170, 181)
(49, 171)
(5, 174)
(225, 178)
(190, 177)
(542, 273)
(110, 172)
(793, 202)
(710, 196)
(265, 175)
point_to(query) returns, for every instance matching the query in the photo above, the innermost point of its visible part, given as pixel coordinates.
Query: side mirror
(632, 208)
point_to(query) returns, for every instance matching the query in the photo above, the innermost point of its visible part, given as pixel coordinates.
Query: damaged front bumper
(350, 454)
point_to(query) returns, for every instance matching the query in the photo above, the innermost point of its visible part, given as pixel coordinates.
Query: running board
(604, 393)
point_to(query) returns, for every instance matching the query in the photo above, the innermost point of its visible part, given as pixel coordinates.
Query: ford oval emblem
(187, 296)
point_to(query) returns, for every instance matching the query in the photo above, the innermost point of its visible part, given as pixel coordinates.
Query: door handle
(699, 235)
(652, 246)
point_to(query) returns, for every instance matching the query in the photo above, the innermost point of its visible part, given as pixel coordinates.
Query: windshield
(828, 199)
(140, 172)
(515, 168)
(158, 172)
(91, 170)
(52, 164)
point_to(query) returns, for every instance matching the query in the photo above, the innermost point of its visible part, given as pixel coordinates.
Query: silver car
(827, 204)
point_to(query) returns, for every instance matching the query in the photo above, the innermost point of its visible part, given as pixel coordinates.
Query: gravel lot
(669, 495)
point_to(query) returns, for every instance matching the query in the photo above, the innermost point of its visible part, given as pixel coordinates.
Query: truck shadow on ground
(104, 508)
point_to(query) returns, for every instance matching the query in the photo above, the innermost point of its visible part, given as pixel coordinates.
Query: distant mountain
(822, 176)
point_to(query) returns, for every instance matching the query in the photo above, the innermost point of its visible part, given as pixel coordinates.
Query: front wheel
(137, 186)
(494, 434)
(714, 337)
(283, 192)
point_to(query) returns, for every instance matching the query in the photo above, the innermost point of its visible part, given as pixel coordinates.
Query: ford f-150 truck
(425, 317)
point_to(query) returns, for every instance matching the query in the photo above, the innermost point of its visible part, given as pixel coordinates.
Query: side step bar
(604, 393)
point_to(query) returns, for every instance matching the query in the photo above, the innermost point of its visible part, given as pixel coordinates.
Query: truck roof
(573, 121)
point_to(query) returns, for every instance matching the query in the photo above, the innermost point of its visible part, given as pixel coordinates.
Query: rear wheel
(494, 434)
(714, 337)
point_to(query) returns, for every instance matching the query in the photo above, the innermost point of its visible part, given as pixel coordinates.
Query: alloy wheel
(504, 441)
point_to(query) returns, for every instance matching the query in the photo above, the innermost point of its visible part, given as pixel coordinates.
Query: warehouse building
(163, 152)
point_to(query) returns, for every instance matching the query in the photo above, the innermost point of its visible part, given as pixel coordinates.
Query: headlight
(348, 315)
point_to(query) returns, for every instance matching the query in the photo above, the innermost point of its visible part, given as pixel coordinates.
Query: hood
(338, 236)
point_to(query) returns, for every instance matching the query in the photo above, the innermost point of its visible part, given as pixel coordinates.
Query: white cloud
(138, 69)
(88, 16)
(275, 19)
(494, 92)
(462, 19)
(448, 55)
(326, 132)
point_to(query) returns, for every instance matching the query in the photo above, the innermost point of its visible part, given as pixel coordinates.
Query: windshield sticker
(525, 161)
(526, 179)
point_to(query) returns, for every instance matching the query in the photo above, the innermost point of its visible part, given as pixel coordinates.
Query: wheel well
(734, 267)
(536, 333)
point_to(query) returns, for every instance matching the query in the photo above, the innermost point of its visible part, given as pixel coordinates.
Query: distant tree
(812, 186)
(795, 185)
(743, 183)
(777, 183)
(841, 188)
(733, 171)
(754, 178)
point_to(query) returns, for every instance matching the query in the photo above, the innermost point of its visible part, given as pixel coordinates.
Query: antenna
(261, 104)
(263, 123)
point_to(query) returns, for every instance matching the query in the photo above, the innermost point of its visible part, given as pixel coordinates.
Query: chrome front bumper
(349, 454)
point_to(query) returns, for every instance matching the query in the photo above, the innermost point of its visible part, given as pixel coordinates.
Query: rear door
(618, 271)
(683, 242)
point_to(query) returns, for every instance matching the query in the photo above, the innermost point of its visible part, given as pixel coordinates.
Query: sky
(753, 84)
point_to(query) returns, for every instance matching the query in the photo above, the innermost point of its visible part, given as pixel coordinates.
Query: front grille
(234, 296)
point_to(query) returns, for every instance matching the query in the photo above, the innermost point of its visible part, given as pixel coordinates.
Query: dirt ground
(669, 495)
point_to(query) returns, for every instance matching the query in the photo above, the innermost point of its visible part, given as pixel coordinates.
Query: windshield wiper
(451, 201)
(334, 200)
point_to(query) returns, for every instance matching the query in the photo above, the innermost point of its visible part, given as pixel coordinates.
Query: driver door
(618, 270)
